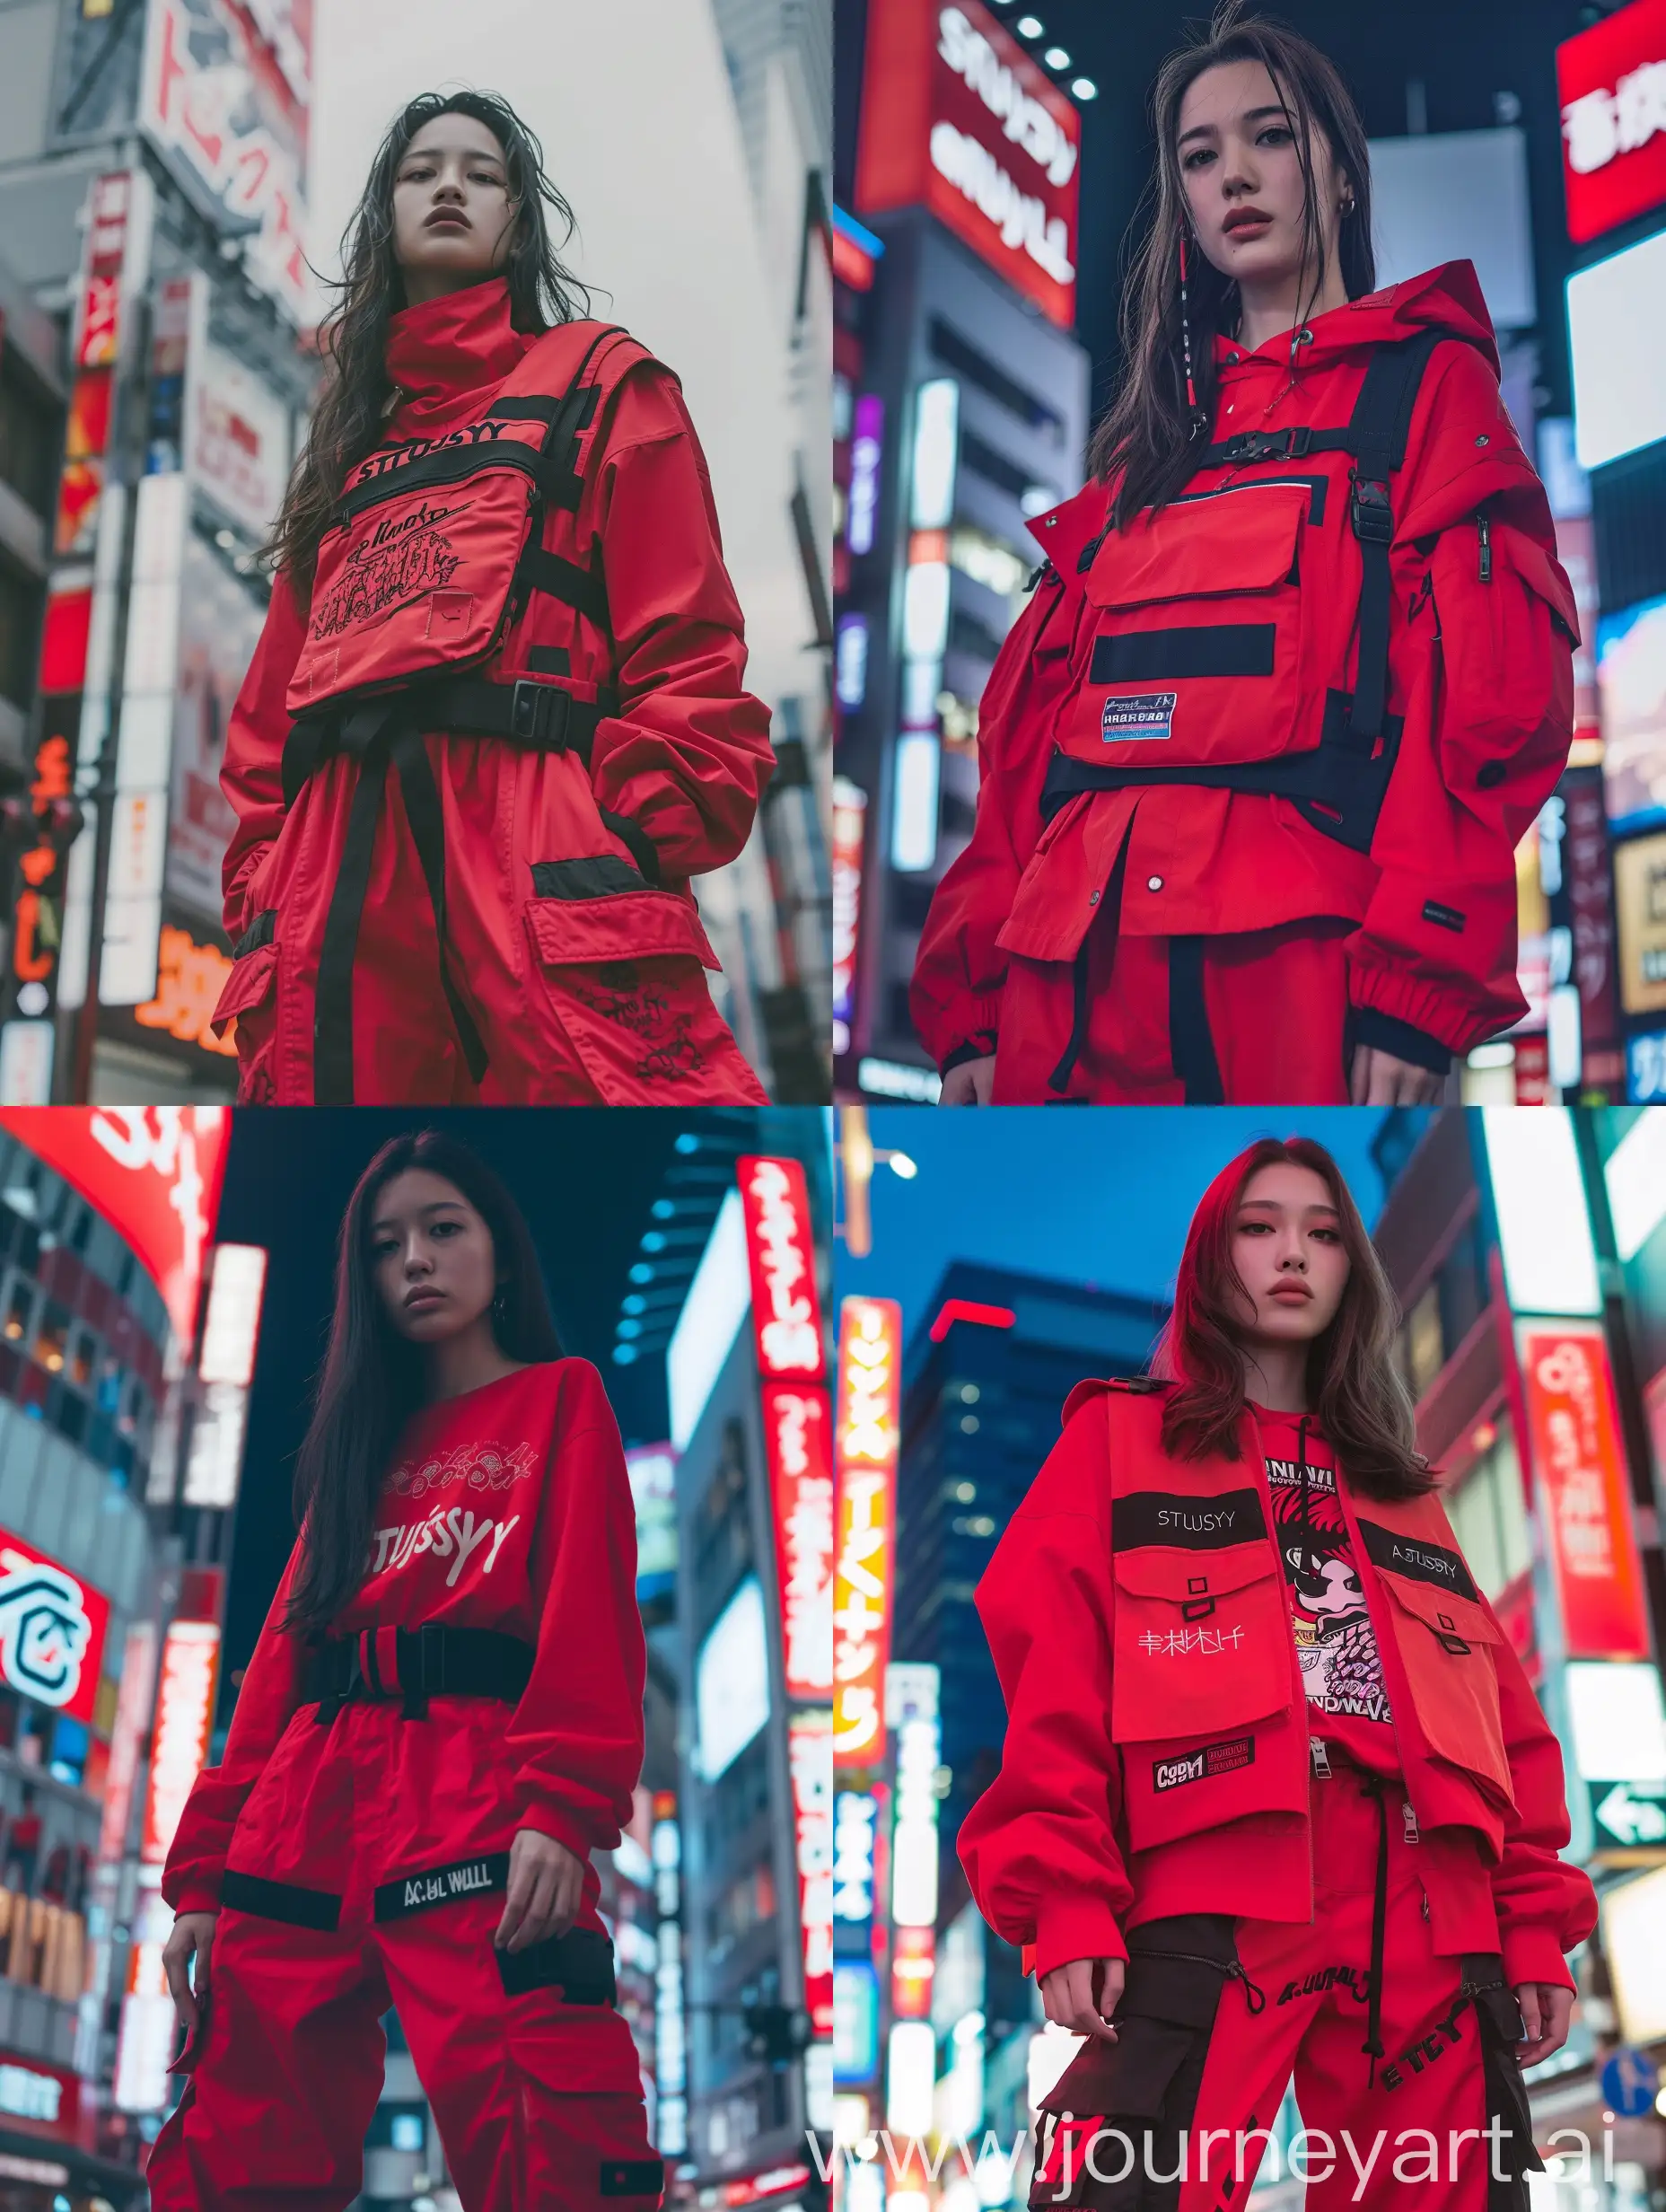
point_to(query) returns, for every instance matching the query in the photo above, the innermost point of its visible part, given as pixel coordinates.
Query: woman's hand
(1067, 1995)
(968, 1083)
(1377, 1079)
(545, 1881)
(192, 1932)
(1547, 2008)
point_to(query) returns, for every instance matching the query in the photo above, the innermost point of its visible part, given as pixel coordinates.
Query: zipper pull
(1411, 1819)
(1484, 530)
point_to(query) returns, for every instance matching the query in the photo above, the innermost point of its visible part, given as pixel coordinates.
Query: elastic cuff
(1388, 1033)
(1076, 1926)
(561, 1830)
(199, 1896)
(1532, 1953)
(981, 1048)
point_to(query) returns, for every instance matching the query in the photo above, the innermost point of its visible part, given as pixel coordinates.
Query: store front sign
(52, 1630)
(958, 118)
(1581, 1470)
(1612, 84)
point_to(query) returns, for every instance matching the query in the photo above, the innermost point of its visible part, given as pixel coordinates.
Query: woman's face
(430, 1256)
(1238, 156)
(1288, 1251)
(454, 220)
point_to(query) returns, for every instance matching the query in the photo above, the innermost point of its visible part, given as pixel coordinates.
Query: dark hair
(347, 422)
(1145, 437)
(372, 1379)
(1353, 1378)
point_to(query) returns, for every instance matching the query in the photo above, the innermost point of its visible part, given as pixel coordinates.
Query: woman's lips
(446, 223)
(419, 1298)
(1252, 229)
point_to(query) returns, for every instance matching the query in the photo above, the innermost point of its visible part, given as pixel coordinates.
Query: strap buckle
(534, 715)
(1373, 519)
(418, 1680)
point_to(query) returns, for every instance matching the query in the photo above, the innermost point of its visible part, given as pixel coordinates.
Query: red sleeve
(576, 1735)
(251, 774)
(687, 760)
(1488, 654)
(1040, 1845)
(1544, 1906)
(955, 997)
(270, 1692)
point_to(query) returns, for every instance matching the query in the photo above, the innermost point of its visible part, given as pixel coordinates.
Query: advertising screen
(1631, 682)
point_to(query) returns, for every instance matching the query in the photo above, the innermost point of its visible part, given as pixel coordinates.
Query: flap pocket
(1445, 1611)
(1446, 1644)
(1195, 548)
(1186, 1577)
(249, 984)
(574, 919)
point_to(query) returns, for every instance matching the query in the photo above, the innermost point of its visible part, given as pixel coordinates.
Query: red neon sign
(189, 1674)
(154, 1173)
(1582, 1472)
(786, 1315)
(870, 1363)
(1611, 84)
(954, 1310)
(956, 118)
(796, 1424)
(52, 1629)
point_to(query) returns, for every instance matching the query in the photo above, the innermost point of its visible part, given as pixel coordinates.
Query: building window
(1489, 1515)
(1424, 1351)
(28, 440)
(19, 621)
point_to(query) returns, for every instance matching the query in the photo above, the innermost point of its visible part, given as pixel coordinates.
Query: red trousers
(1256, 1019)
(1302, 2006)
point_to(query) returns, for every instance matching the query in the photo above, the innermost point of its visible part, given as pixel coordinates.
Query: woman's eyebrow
(1208, 130)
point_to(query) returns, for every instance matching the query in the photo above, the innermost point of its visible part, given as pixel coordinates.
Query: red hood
(441, 351)
(1447, 298)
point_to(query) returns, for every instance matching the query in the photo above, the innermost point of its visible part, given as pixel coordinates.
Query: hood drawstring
(1308, 1566)
(1376, 1788)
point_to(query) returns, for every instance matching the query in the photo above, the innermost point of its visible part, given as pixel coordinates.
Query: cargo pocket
(1500, 2027)
(250, 999)
(1201, 1641)
(1446, 1642)
(622, 966)
(1499, 648)
(564, 2031)
(1198, 654)
(1139, 2094)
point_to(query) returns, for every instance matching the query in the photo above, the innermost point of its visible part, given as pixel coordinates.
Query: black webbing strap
(569, 417)
(583, 588)
(1080, 1009)
(1191, 1048)
(1378, 429)
(389, 732)
(433, 1661)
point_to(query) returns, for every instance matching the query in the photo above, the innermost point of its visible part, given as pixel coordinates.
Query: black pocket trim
(1419, 1561)
(1173, 1518)
(549, 660)
(632, 2177)
(579, 1964)
(599, 876)
(642, 848)
(441, 1885)
(1212, 649)
(261, 931)
(281, 1900)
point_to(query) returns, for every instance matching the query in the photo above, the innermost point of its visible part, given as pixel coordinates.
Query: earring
(1199, 419)
(499, 1307)
(1346, 207)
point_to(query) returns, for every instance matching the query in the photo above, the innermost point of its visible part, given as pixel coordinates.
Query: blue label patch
(1149, 714)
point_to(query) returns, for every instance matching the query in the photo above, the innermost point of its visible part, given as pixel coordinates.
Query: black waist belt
(388, 731)
(1338, 784)
(415, 1665)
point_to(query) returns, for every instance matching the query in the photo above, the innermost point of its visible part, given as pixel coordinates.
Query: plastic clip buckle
(526, 708)
(414, 1674)
(1373, 520)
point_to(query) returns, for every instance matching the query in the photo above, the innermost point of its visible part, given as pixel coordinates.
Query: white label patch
(1150, 715)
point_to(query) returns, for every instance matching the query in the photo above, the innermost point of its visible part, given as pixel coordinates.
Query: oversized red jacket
(1136, 1614)
(1480, 667)
(507, 1508)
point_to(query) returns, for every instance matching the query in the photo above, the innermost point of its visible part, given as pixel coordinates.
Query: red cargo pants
(1403, 2131)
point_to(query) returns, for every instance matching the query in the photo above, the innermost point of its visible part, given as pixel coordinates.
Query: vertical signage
(190, 1666)
(1611, 80)
(801, 1469)
(808, 1743)
(1580, 1468)
(865, 1499)
(133, 1712)
(850, 809)
(786, 1316)
(670, 2046)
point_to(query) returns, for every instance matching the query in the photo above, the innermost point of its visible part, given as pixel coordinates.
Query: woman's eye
(447, 1228)
(1273, 131)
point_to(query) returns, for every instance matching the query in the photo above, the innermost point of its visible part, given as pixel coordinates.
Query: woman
(1274, 1791)
(498, 577)
(441, 1723)
(1297, 673)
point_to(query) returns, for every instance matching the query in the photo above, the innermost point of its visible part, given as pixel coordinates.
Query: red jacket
(1083, 1834)
(1480, 667)
(507, 1508)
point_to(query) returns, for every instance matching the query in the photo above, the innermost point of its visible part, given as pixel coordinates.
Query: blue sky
(1099, 1196)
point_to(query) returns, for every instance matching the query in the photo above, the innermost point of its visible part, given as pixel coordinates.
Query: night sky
(1100, 1199)
(585, 1181)
(1463, 53)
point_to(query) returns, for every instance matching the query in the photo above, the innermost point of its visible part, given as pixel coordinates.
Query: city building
(960, 406)
(1525, 1251)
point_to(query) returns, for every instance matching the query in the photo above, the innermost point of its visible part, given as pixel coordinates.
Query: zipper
(375, 490)
(1312, 485)
(1484, 531)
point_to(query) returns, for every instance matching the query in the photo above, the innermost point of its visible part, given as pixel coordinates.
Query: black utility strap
(1379, 428)
(365, 736)
(427, 817)
(1191, 1048)
(581, 588)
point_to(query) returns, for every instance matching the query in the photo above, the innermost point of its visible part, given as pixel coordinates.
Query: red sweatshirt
(508, 1508)
(1480, 667)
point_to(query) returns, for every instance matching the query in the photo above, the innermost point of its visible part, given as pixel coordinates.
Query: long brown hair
(348, 421)
(1145, 437)
(1354, 1383)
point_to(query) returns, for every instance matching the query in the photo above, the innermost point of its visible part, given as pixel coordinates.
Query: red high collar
(444, 350)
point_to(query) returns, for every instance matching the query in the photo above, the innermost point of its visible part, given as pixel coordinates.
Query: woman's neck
(1276, 1377)
(466, 1362)
(1267, 311)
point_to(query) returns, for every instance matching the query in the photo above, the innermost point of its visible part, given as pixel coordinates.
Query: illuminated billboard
(796, 1424)
(866, 1426)
(781, 1253)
